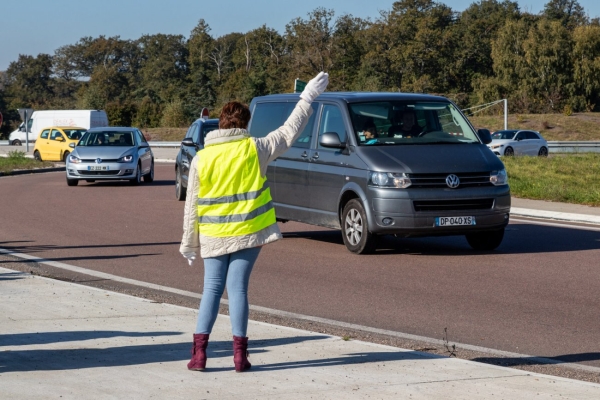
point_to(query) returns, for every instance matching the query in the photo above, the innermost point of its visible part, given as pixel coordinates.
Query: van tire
(485, 241)
(37, 156)
(16, 142)
(355, 229)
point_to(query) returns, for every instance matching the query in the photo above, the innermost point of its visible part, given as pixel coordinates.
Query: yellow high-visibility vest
(234, 199)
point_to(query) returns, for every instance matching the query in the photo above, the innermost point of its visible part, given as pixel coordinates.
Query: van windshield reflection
(409, 122)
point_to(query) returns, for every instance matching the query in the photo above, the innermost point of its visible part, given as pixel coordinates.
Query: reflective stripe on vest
(234, 199)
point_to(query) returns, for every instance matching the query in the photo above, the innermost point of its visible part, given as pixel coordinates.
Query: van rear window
(267, 117)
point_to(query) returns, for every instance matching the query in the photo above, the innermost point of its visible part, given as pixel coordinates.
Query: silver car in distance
(111, 153)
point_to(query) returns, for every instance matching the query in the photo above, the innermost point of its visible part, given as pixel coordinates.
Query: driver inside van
(408, 128)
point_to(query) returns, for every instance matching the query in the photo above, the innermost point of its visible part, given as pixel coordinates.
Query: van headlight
(389, 179)
(74, 159)
(125, 159)
(499, 178)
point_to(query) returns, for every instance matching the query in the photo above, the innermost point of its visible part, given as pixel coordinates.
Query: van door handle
(315, 156)
(304, 155)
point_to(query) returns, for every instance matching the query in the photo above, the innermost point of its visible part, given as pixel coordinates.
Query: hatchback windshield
(74, 134)
(409, 122)
(504, 134)
(107, 138)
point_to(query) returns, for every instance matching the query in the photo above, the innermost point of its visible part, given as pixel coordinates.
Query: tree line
(546, 62)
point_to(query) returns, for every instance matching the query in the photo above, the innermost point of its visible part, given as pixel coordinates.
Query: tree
(29, 82)
(586, 67)
(201, 91)
(569, 12)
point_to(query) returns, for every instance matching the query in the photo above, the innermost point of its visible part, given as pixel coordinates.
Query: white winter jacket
(268, 149)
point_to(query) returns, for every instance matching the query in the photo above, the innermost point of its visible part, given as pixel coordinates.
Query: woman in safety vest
(229, 214)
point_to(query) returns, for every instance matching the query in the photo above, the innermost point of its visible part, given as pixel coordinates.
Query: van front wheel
(485, 241)
(355, 229)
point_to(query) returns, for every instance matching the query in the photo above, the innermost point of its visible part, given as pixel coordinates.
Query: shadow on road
(515, 361)
(28, 339)
(519, 238)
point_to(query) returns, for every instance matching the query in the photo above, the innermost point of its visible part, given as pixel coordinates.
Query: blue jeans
(234, 271)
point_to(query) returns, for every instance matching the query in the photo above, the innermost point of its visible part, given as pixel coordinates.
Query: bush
(16, 155)
(568, 110)
(120, 114)
(174, 115)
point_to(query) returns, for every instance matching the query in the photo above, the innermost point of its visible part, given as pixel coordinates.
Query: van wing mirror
(484, 135)
(331, 140)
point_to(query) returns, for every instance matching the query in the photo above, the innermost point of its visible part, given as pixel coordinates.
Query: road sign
(299, 85)
(25, 113)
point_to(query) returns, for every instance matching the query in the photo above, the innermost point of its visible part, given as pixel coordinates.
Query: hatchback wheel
(138, 176)
(509, 152)
(355, 230)
(485, 241)
(179, 189)
(149, 177)
(37, 155)
(65, 156)
(543, 152)
(72, 182)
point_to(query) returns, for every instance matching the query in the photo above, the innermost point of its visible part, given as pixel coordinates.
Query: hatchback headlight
(125, 159)
(499, 178)
(389, 179)
(74, 159)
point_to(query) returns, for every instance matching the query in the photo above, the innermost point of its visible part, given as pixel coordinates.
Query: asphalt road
(537, 294)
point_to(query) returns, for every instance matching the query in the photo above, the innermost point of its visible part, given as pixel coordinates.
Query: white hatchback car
(516, 142)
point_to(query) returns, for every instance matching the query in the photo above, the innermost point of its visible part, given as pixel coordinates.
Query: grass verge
(566, 178)
(17, 160)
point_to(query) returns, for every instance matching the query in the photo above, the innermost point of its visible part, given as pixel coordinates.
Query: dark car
(363, 165)
(190, 145)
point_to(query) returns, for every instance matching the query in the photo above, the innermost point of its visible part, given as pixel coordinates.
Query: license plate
(454, 221)
(97, 167)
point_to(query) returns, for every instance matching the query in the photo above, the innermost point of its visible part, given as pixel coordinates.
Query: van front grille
(453, 205)
(471, 179)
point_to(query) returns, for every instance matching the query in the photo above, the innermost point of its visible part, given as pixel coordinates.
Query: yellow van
(53, 143)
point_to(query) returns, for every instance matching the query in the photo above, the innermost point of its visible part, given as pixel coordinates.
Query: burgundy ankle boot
(198, 361)
(240, 354)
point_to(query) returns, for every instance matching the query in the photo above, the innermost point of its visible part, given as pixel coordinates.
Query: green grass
(17, 160)
(572, 178)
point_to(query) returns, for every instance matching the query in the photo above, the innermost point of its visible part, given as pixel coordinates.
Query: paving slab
(68, 341)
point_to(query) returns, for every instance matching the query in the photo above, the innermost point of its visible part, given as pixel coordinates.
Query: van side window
(332, 120)
(45, 134)
(267, 117)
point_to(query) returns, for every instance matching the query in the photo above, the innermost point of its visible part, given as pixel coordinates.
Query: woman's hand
(315, 87)
(190, 257)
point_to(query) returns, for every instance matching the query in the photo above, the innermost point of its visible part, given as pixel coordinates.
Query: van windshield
(409, 122)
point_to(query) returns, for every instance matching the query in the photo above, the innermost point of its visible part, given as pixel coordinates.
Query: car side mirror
(72, 145)
(484, 135)
(143, 145)
(331, 140)
(59, 139)
(188, 142)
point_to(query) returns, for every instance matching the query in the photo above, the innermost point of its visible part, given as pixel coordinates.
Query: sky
(42, 26)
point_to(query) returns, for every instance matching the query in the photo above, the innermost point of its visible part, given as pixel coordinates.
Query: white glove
(191, 256)
(315, 87)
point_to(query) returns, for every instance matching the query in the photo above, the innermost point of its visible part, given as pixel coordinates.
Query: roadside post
(25, 114)
(299, 85)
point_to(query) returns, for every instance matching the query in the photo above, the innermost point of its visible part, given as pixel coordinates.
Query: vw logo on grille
(452, 181)
(99, 161)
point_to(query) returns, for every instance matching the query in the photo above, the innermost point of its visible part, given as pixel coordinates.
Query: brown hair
(234, 115)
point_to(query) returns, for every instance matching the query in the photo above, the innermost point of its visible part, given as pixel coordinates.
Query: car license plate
(454, 221)
(97, 167)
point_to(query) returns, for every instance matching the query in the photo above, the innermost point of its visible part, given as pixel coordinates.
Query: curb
(32, 171)
(555, 215)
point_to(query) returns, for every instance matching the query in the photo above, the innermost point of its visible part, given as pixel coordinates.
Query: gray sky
(42, 26)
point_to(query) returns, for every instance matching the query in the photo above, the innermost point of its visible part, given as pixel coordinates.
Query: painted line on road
(285, 314)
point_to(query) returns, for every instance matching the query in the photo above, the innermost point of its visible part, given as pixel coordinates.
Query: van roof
(357, 97)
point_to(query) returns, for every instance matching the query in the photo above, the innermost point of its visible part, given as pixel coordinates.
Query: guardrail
(553, 146)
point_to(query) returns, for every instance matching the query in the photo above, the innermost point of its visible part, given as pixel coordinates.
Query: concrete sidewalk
(62, 340)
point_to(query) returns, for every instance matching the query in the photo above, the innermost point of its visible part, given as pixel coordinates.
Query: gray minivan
(374, 164)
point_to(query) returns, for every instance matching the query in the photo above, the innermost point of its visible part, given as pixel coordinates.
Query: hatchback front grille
(471, 179)
(104, 160)
(453, 205)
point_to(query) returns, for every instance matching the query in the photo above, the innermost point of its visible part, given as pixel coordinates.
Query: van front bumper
(414, 212)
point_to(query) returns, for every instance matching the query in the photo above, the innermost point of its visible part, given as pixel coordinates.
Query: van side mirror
(21, 128)
(331, 140)
(485, 135)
